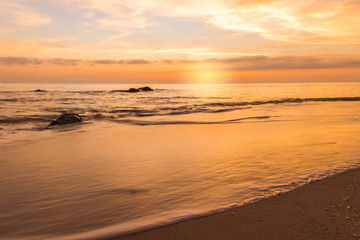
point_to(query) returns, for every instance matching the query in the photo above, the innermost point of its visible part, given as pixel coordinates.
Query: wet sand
(326, 209)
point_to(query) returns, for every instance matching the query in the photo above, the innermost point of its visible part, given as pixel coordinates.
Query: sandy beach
(326, 209)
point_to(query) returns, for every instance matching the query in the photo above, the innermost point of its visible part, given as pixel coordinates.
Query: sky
(179, 41)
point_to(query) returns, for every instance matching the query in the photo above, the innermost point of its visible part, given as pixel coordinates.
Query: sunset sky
(179, 41)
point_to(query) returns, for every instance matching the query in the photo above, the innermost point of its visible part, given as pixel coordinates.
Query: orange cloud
(256, 62)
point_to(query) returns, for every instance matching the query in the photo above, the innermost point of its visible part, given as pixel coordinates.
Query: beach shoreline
(323, 209)
(104, 179)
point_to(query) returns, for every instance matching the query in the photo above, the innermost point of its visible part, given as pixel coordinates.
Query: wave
(25, 100)
(168, 111)
(119, 191)
(145, 123)
(17, 120)
(9, 100)
(98, 112)
(286, 100)
(124, 120)
(219, 107)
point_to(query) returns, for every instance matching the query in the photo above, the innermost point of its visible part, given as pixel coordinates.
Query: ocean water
(147, 159)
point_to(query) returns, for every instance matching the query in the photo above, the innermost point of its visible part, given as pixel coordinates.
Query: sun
(203, 74)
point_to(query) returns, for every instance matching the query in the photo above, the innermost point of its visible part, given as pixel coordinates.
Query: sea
(148, 159)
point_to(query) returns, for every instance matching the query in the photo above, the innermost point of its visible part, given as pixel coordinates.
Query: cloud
(177, 61)
(131, 61)
(283, 63)
(258, 62)
(167, 61)
(65, 62)
(36, 61)
(280, 20)
(21, 15)
(180, 29)
(105, 62)
(290, 20)
(121, 17)
(237, 59)
(20, 61)
(137, 61)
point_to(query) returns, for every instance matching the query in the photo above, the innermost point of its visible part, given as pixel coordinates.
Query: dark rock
(146, 89)
(66, 118)
(133, 90)
(39, 90)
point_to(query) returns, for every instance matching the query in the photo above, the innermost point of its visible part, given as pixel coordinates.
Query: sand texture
(326, 209)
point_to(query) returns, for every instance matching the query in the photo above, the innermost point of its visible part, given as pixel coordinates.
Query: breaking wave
(119, 114)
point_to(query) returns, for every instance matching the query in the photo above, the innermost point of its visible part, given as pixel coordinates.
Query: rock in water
(66, 118)
(146, 89)
(39, 90)
(133, 90)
